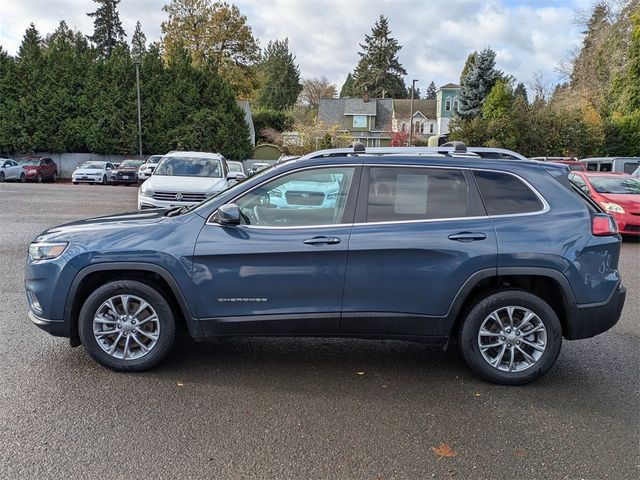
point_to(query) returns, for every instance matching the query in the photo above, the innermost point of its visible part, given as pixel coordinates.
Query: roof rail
(458, 147)
(452, 149)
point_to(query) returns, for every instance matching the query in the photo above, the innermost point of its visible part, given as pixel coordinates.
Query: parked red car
(38, 169)
(617, 193)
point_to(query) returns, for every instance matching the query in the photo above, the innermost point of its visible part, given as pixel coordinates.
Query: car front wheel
(127, 325)
(511, 337)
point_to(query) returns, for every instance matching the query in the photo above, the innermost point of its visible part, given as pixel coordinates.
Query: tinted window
(405, 193)
(592, 167)
(630, 167)
(306, 198)
(505, 194)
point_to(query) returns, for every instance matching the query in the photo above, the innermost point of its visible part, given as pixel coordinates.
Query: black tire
(1, 177)
(23, 178)
(148, 294)
(468, 336)
(39, 177)
(75, 183)
(104, 180)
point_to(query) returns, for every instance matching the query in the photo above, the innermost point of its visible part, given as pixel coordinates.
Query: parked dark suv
(502, 256)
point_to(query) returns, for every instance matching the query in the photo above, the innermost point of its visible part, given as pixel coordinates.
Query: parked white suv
(183, 179)
(146, 169)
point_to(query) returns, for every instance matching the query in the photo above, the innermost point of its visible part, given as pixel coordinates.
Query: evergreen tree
(138, 43)
(431, 91)
(521, 91)
(471, 59)
(8, 97)
(347, 88)
(476, 84)
(280, 76)
(107, 27)
(379, 71)
(499, 101)
(416, 93)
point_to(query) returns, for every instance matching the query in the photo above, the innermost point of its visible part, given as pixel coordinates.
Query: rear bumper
(593, 319)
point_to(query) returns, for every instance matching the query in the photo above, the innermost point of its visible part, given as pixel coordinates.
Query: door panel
(420, 234)
(263, 278)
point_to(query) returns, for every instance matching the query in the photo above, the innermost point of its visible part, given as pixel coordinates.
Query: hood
(628, 201)
(30, 167)
(164, 183)
(97, 225)
(88, 171)
(127, 169)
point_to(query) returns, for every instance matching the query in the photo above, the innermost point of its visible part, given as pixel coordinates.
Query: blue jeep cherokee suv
(500, 255)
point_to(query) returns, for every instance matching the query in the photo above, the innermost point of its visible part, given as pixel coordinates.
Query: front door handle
(322, 241)
(467, 236)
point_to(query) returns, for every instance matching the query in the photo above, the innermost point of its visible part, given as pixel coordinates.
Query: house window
(431, 128)
(455, 104)
(422, 128)
(447, 104)
(359, 121)
(404, 127)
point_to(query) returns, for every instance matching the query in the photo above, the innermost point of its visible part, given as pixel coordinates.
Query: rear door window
(505, 194)
(406, 193)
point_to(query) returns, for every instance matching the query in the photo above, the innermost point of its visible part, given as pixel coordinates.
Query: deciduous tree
(313, 89)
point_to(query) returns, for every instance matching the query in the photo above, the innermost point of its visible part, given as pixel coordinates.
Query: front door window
(301, 199)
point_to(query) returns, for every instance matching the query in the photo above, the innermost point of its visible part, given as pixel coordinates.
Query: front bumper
(593, 319)
(132, 177)
(58, 328)
(86, 180)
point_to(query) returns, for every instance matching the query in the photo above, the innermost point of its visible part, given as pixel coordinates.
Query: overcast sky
(436, 35)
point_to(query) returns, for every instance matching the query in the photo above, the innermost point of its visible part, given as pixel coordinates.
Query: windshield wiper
(173, 211)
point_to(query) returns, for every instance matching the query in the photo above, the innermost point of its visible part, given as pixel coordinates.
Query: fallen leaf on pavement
(360, 373)
(180, 384)
(444, 450)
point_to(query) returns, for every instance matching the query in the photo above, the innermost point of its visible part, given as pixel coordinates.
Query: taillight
(602, 224)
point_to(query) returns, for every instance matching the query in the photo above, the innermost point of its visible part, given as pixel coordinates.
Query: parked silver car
(10, 170)
(146, 169)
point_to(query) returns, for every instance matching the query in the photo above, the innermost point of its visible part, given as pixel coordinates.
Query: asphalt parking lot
(291, 408)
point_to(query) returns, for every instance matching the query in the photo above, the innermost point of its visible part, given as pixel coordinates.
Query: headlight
(146, 191)
(47, 251)
(612, 207)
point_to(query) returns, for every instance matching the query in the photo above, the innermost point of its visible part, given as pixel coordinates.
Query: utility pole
(413, 89)
(137, 63)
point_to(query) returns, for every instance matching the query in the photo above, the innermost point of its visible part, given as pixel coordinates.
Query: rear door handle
(322, 241)
(467, 236)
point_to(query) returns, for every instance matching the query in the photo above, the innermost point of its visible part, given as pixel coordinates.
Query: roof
(331, 111)
(193, 154)
(402, 108)
(449, 85)
(357, 106)
(248, 118)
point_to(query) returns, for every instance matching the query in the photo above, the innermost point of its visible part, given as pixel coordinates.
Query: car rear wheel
(511, 337)
(127, 325)
(104, 180)
(1, 177)
(23, 178)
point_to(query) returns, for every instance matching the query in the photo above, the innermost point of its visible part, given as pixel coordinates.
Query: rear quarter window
(505, 194)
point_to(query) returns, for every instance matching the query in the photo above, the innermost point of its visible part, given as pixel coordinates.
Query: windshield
(130, 163)
(30, 162)
(154, 159)
(189, 167)
(615, 185)
(234, 167)
(93, 166)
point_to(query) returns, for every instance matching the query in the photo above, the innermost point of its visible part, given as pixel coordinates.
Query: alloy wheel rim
(126, 327)
(512, 339)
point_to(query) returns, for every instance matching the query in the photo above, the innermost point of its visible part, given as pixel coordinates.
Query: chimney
(365, 99)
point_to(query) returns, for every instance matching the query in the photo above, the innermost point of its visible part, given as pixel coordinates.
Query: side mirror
(228, 214)
(237, 176)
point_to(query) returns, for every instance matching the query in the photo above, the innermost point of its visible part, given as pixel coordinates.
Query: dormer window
(447, 104)
(359, 121)
(455, 104)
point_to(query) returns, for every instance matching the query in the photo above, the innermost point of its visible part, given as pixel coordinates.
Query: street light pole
(413, 89)
(137, 63)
